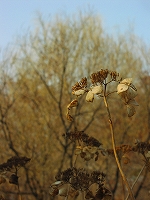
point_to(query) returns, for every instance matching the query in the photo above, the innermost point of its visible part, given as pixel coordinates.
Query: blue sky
(16, 16)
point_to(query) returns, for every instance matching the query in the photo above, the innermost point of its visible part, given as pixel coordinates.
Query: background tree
(44, 66)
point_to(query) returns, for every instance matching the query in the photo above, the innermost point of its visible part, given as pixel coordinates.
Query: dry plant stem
(20, 197)
(114, 148)
(66, 198)
(136, 179)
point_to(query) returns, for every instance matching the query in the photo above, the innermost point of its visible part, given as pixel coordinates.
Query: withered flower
(76, 180)
(141, 147)
(72, 104)
(99, 76)
(94, 90)
(99, 81)
(82, 137)
(79, 88)
(89, 146)
(128, 92)
(122, 152)
(14, 162)
(87, 152)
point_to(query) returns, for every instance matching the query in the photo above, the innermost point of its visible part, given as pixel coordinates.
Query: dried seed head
(113, 75)
(141, 147)
(14, 162)
(83, 137)
(99, 76)
(80, 85)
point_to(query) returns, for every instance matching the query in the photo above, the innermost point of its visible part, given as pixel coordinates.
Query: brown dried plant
(12, 165)
(73, 181)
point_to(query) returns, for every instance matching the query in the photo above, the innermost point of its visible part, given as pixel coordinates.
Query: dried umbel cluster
(87, 146)
(123, 150)
(81, 136)
(99, 81)
(12, 164)
(72, 181)
(142, 147)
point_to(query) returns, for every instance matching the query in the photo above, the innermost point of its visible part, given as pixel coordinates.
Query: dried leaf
(97, 89)
(78, 92)
(88, 156)
(133, 87)
(89, 195)
(63, 191)
(130, 110)
(72, 104)
(57, 183)
(69, 117)
(73, 192)
(53, 191)
(131, 93)
(92, 149)
(78, 150)
(132, 102)
(90, 96)
(122, 88)
(147, 154)
(126, 81)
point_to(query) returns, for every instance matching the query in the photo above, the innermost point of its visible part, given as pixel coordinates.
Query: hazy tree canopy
(45, 64)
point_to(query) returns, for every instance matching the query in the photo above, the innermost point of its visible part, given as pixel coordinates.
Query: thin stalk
(114, 148)
(66, 198)
(19, 195)
(136, 179)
